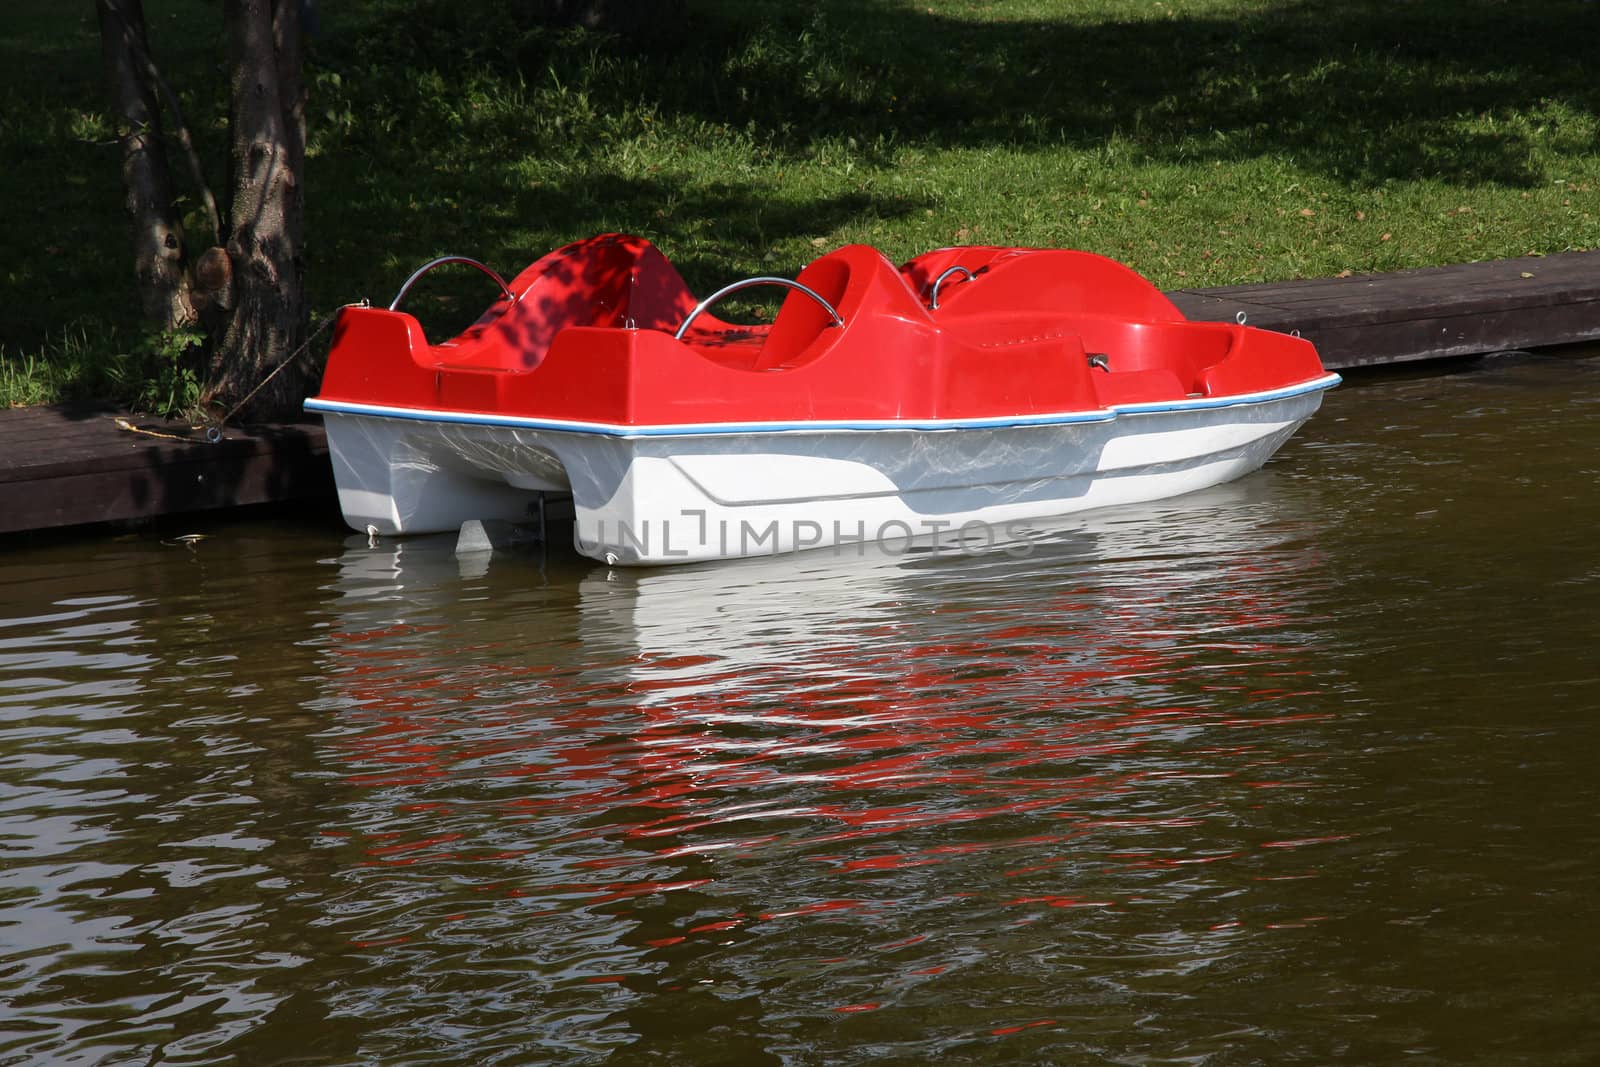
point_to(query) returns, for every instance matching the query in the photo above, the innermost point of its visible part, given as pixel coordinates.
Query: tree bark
(158, 250)
(266, 211)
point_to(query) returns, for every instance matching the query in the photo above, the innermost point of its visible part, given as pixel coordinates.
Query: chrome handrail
(838, 320)
(394, 305)
(933, 299)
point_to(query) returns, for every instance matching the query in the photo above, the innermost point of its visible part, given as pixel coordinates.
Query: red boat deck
(66, 468)
(599, 331)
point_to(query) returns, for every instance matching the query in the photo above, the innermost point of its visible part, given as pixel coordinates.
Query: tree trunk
(266, 211)
(158, 252)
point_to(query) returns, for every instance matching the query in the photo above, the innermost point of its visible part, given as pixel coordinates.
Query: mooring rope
(214, 430)
(124, 424)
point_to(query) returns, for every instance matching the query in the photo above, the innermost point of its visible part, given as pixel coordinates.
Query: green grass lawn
(1203, 142)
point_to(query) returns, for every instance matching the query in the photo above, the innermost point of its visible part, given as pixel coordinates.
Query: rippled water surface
(1298, 770)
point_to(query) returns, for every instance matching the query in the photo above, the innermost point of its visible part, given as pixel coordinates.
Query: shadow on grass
(422, 110)
(713, 231)
(1363, 90)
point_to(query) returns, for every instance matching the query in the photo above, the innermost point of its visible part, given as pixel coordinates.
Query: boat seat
(1046, 281)
(1182, 350)
(1149, 386)
(614, 280)
(854, 280)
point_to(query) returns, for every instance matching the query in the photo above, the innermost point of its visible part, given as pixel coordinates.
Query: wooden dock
(1433, 313)
(63, 466)
(69, 467)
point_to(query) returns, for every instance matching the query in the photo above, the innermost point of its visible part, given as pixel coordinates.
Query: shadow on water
(156, 725)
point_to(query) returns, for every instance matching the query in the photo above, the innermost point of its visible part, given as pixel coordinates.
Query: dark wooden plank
(21, 428)
(60, 469)
(29, 432)
(126, 452)
(1572, 276)
(1433, 313)
(28, 440)
(1448, 336)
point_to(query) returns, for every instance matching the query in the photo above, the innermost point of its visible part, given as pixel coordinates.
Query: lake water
(1297, 770)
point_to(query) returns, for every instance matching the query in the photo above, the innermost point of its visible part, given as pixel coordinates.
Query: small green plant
(162, 374)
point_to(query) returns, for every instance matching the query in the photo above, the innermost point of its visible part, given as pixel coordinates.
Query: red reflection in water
(801, 729)
(1007, 1030)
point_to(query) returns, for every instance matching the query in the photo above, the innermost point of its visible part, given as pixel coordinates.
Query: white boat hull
(678, 494)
